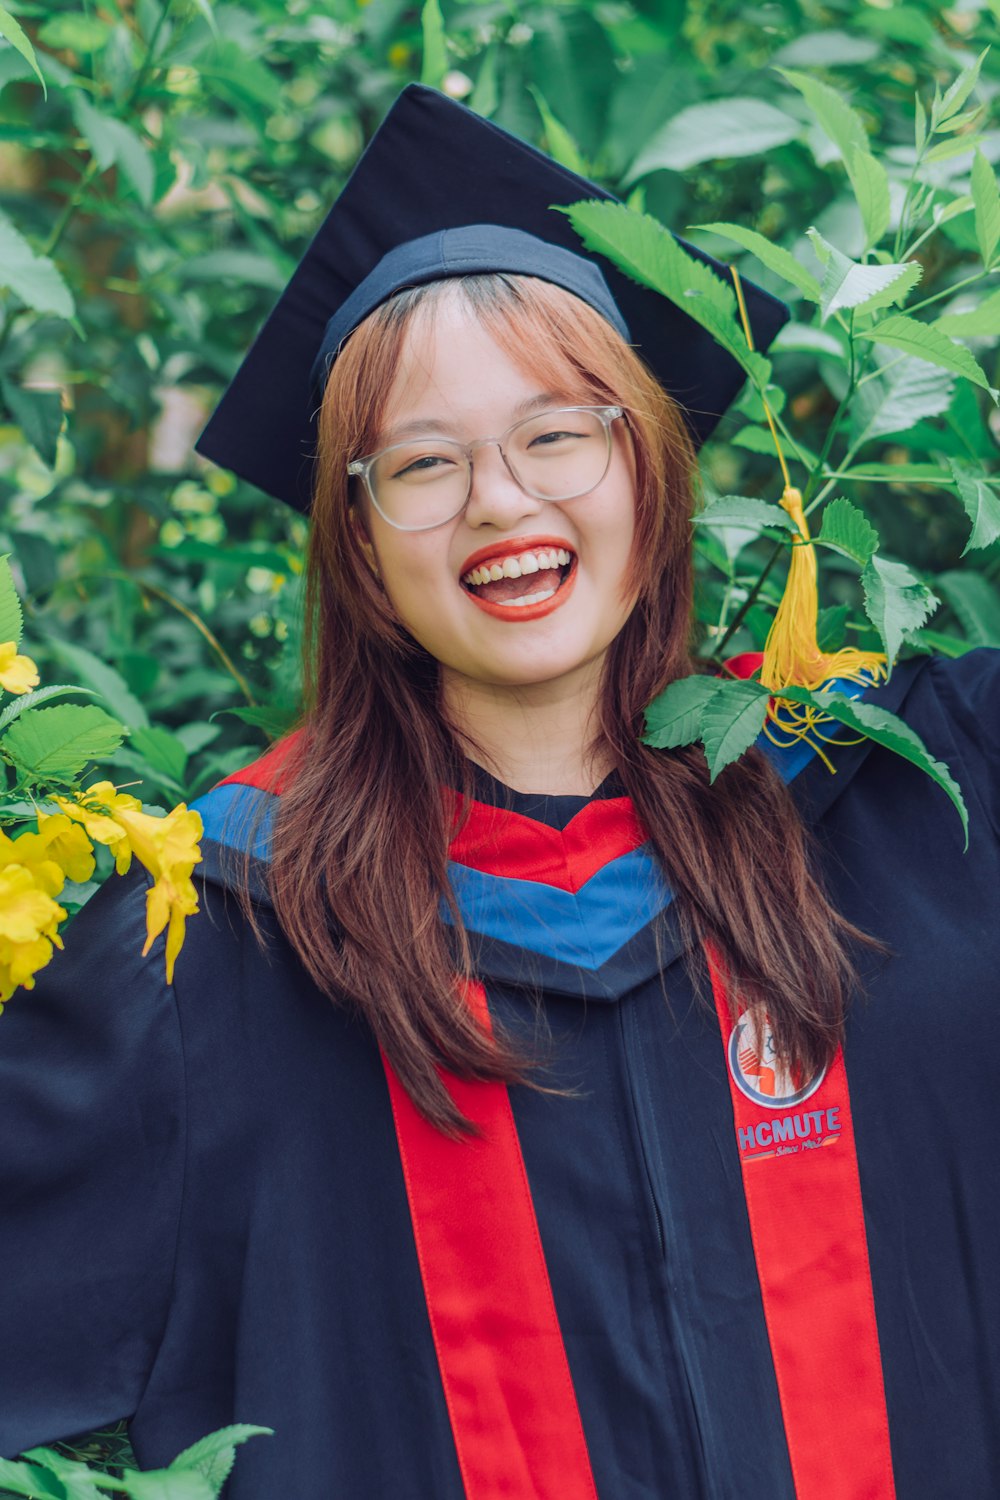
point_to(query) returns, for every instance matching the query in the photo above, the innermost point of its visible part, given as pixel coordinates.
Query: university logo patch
(757, 1071)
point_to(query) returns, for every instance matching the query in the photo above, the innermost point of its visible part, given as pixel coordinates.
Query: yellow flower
(168, 847)
(18, 674)
(59, 849)
(97, 809)
(29, 927)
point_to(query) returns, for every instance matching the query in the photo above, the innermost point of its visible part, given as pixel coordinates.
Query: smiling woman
(506, 1131)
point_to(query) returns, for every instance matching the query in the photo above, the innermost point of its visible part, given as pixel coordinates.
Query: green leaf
(719, 130)
(165, 1484)
(899, 473)
(983, 321)
(885, 729)
(759, 440)
(924, 341)
(731, 721)
(246, 266)
(986, 198)
(831, 625)
(162, 750)
(651, 255)
(745, 510)
(75, 33)
(486, 95)
(932, 641)
(895, 601)
(435, 53)
(56, 743)
(560, 143)
(213, 1456)
(955, 96)
(974, 602)
(870, 182)
(114, 143)
(835, 116)
(13, 32)
(17, 706)
(103, 678)
(34, 278)
(903, 394)
(848, 284)
(11, 618)
(39, 415)
(26, 1479)
(982, 504)
(674, 716)
(775, 257)
(848, 530)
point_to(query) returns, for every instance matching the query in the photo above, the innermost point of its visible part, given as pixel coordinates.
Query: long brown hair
(359, 858)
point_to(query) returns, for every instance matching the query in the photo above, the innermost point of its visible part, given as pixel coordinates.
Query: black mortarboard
(434, 166)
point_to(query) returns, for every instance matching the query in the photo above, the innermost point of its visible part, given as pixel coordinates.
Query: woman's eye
(548, 439)
(428, 463)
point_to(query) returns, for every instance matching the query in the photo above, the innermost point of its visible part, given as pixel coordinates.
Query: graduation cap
(441, 192)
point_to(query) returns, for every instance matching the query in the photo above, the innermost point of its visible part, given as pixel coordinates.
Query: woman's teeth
(517, 567)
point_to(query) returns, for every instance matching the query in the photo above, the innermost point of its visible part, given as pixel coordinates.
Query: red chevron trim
(499, 842)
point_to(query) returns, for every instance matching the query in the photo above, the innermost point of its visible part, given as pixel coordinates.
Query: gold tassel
(792, 655)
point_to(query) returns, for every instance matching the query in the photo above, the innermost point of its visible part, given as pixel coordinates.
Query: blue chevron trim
(585, 928)
(238, 816)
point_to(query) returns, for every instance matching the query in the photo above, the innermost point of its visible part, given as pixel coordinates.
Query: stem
(838, 416)
(750, 599)
(948, 291)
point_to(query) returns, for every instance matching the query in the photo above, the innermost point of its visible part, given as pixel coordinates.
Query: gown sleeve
(91, 1168)
(969, 693)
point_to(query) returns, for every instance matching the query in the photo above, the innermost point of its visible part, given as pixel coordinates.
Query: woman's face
(455, 379)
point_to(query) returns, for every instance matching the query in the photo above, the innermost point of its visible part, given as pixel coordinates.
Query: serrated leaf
(746, 510)
(434, 64)
(897, 399)
(717, 130)
(848, 284)
(213, 1456)
(835, 116)
(34, 278)
(11, 619)
(982, 504)
(103, 678)
(673, 718)
(13, 32)
(956, 94)
(960, 145)
(846, 529)
(986, 198)
(56, 743)
(652, 256)
(70, 1479)
(731, 721)
(17, 706)
(759, 440)
(165, 1484)
(775, 257)
(924, 341)
(895, 601)
(975, 604)
(39, 415)
(560, 143)
(870, 182)
(114, 143)
(899, 473)
(878, 724)
(982, 322)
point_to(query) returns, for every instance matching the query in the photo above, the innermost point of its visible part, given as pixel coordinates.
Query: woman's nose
(496, 498)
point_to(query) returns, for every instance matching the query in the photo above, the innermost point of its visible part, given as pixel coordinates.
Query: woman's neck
(538, 739)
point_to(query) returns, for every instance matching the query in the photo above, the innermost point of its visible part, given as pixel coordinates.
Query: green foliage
(196, 1474)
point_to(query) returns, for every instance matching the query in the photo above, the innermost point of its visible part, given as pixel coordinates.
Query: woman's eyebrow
(428, 425)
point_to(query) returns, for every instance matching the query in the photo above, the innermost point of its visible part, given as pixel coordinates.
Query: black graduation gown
(204, 1218)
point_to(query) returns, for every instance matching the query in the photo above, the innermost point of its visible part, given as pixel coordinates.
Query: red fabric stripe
(500, 842)
(506, 1379)
(270, 773)
(809, 1241)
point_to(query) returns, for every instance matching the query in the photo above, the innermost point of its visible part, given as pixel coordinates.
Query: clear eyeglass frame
(360, 468)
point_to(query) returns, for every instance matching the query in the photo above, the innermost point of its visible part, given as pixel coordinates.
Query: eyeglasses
(556, 455)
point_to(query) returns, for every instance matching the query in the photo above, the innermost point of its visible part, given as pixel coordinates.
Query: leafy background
(157, 192)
